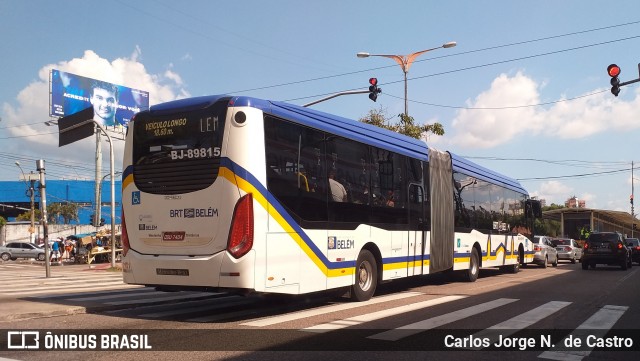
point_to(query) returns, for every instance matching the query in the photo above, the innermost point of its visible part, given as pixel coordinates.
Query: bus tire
(366, 278)
(514, 268)
(471, 275)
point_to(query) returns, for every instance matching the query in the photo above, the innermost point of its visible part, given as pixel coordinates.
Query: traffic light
(613, 70)
(373, 89)
(101, 222)
(92, 219)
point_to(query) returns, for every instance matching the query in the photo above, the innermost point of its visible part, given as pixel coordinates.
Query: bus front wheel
(366, 277)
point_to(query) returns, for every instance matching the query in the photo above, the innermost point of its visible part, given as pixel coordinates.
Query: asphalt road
(413, 319)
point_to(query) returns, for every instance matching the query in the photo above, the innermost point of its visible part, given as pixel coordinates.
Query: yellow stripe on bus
(259, 197)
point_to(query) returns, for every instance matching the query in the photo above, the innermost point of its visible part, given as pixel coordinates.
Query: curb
(54, 313)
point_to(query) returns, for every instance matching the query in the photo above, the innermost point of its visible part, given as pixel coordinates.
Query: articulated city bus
(239, 193)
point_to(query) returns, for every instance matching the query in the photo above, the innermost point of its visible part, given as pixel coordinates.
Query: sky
(525, 92)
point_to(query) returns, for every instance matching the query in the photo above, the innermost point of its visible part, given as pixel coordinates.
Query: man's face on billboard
(104, 106)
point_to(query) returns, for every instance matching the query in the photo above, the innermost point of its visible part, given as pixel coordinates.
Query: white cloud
(553, 192)
(498, 124)
(24, 119)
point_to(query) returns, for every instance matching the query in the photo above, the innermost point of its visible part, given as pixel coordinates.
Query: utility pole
(32, 195)
(43, 209)
(633, 217)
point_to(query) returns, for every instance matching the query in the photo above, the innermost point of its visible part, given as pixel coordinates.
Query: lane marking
(420, 326)
(352, 321)
(519, 322)
(597, 325)
(324, 310)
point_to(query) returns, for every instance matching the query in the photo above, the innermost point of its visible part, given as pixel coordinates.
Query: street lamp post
(405, 62)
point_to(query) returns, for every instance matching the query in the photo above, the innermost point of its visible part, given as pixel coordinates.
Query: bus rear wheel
(366, 277)
(471, 275)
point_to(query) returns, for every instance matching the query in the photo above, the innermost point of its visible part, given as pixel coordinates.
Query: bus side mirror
(535, 207)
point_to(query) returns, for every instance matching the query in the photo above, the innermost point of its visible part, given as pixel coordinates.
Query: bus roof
(467, 167)
(348, 128)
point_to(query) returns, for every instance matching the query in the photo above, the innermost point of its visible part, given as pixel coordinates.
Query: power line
(575, 175)
(569, 162)
(487, 65)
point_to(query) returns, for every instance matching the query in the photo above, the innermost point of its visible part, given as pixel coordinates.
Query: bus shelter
(573, 220)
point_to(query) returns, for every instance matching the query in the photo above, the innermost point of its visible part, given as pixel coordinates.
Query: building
(15, 200)
(573, 220)
(574, 202)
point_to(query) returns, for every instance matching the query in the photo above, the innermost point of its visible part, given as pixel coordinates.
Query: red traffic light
(613, 70)
(373, 81)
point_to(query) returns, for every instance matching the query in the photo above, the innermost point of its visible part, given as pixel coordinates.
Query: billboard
(112, 104)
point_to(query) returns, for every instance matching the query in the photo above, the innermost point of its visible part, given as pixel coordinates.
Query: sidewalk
(17, 308)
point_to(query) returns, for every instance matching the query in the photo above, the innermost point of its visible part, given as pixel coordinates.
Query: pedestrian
(68, 247)
(55, 252)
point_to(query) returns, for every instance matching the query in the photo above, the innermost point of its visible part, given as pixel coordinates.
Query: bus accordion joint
(241, 234)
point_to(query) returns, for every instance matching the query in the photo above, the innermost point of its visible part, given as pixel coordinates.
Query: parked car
(606, 248)
(568, 249)
(634, 245)
(545, 251)
(15, 250)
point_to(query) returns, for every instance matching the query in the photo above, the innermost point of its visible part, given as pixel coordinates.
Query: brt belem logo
(332, 242)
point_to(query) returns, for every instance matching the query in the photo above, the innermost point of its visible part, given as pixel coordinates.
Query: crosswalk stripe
(417, 327)
(222, 302)
(108, 290)
(597, 325)
(63, 282)
(59, 290)
(519, 322)
(181, 296)
(224, 316)
(323, 310)
(352, 321)
(118, 295)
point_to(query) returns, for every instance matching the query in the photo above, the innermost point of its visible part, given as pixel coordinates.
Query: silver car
(15, 250)
(568, 249)
(545, 251)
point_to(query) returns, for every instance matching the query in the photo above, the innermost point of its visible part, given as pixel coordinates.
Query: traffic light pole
(614, 71)
(336, 95)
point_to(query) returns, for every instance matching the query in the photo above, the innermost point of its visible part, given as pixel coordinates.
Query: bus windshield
(178, 150)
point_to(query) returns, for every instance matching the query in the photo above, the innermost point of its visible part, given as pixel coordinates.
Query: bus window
(390, 186)
(348, 169)
(295, 165)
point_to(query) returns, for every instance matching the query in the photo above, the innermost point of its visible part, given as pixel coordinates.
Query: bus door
(417, 230)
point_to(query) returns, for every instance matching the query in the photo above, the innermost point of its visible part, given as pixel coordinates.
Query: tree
(55, 211)
(547, 226)
(406, 125)
(2, 222)
(26, 216)
(67, 211)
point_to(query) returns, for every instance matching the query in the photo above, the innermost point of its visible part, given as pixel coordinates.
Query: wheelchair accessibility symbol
(135, 197)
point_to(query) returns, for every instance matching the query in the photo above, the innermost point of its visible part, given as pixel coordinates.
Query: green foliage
(66, 212)
(406, 125)
(547, 226)
(2, 222)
